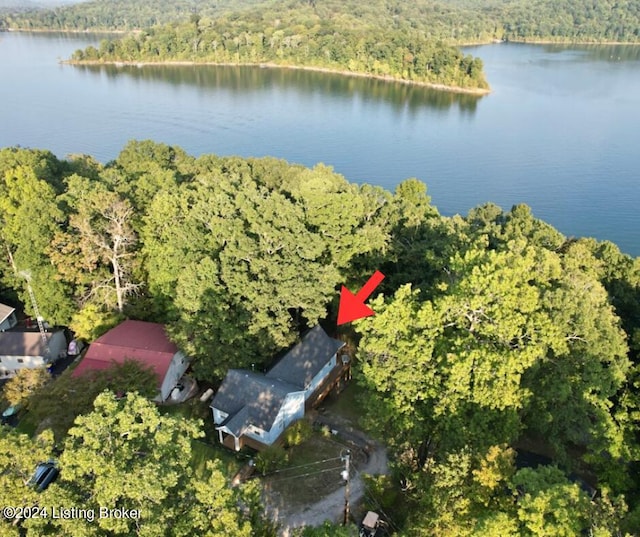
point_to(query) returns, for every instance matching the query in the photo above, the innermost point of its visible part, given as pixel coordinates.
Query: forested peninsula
(301, 35)
(390, 54)
(493, 332)
(390, 40)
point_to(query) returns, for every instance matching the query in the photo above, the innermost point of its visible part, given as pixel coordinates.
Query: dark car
(10, 416)
(45, 474)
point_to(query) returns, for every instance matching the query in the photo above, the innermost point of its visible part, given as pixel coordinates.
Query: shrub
(298, 433)
(270, 459)
(24, 384)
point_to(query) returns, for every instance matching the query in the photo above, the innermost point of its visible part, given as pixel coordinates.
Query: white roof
(5, 311)
(371, 520)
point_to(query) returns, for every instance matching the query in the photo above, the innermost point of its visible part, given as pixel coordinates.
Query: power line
(299, 466)
(371, 497)
(308, 474)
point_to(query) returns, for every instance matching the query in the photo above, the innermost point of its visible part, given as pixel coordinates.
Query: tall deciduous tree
(514, 338)
(29, 219)
(126, 455)
(96, 252)
(25, 383)
(245, 264)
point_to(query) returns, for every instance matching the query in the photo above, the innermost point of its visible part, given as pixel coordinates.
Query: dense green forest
(412, 42)
(311, 43)
(492, 332)
(126, 471)
(455, 21)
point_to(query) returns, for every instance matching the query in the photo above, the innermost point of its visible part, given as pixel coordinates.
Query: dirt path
(331, 507)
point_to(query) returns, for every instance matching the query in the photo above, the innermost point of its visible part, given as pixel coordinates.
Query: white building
(258, 408)
(26, 350)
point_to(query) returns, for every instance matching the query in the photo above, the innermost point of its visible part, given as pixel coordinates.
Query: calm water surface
(560, 132)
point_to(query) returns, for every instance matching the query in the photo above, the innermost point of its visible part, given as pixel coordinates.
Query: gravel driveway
(331, 507)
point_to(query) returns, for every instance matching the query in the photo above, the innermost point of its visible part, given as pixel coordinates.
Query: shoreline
(271, 65)
(492, 41)
(71, 32)
(573, 43)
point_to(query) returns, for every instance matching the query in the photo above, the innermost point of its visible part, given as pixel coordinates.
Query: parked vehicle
(45, 474)
(370, 524)
(10, 415)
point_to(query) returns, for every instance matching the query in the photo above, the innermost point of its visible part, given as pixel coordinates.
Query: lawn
(202, 452)
(26, 426)
(348, 404)
(313, 470)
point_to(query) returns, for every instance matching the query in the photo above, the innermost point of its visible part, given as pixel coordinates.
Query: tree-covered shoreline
(394, 55)
(492, 330)
(392, 40)
(383, 78)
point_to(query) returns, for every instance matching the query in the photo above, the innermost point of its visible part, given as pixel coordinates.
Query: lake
(560, 130)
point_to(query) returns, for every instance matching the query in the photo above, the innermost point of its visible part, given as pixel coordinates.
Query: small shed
(370, 524)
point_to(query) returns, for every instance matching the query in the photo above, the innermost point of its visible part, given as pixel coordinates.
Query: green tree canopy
(57, 404)
(29, 218)
(126, 455)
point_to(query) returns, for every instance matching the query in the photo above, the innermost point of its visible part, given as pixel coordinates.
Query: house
(255, 409)
(144, 342)
(27, 350)
(7, 317)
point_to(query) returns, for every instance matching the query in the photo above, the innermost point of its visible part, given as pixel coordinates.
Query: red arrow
(352, 307)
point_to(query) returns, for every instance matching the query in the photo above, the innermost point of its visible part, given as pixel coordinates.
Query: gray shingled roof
(305, 360)
(254, 399)
(237, 422)
(251, 397)
(22, 344)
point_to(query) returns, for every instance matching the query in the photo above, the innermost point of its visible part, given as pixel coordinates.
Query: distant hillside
(34, 4)
(119, 14)
(455, 21)
(17, 4)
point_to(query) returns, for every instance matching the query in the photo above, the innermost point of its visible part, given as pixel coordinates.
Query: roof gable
(304, 361)
(5, 311)
(252, 396)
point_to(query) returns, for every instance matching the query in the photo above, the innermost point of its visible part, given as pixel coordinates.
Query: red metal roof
(144, 342)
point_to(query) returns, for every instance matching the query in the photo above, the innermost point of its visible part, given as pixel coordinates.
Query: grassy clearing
(26, 426)
(306, 479)
(202, 452)
(348, 404)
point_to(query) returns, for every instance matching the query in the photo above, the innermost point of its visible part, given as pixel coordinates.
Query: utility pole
(43, 335)
(345, 476)
(27, 276)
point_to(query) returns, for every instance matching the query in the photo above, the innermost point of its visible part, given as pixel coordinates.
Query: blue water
(560, 131)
